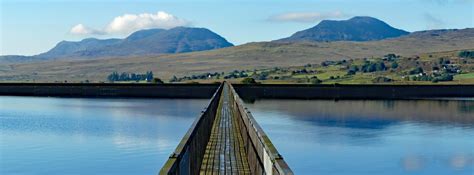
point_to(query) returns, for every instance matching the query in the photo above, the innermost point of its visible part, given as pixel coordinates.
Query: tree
(444, 77)
(248, 80)
(466, 54)
(381, 66)
(352, 70)
(394, 65)
(324, 64)
(382, 80)
(114, 76)
(416, 71)
(262, 76)
(174, 79)
(315, 80)
(149, 76)
(157, 81)
(372, 68)
(390, 57)
(124, 77)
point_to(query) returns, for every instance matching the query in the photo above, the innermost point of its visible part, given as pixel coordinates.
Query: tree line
(125, 76)
(466, 54)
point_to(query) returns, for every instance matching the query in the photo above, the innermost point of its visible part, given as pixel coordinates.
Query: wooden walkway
(225, 152)
(225, 139)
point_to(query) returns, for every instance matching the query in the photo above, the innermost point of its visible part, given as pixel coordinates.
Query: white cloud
(129, 23)
(80, 29)
(306, 17)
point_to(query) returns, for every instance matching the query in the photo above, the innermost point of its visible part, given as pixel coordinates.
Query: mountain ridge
(140, 43)
(359, 28)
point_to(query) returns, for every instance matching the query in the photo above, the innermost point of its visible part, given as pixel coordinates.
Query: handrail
(266, 158)
(187, 157)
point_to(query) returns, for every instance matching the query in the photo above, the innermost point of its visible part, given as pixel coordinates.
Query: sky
(30, 27)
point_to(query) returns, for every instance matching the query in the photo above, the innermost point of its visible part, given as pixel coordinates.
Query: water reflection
(91, 136)
(371, 137)
(373, 114)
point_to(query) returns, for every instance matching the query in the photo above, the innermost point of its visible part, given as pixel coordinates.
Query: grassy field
(435, 66)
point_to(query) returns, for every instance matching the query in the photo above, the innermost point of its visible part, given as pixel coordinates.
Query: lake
(371, 137)
(40, 135)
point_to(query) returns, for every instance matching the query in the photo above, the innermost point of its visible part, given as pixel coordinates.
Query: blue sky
(30, 27)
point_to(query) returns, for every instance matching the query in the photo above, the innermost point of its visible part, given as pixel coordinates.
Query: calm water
(91, 136)
(371, 137)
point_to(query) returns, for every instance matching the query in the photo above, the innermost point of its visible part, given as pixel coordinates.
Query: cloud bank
(80, 29)
(306, 17)
(129, 23)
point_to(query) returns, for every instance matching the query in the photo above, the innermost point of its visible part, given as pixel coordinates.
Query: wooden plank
(225, 150)
(216, 151)
(208, 165)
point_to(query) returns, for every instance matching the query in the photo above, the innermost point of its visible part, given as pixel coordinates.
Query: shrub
(315, 80)
(157, 81)
(380, 66)
(174, 79)
(248, 80)
(382, 80)
(444, 77)
(416, 71)
(394, 65)
(351, 72)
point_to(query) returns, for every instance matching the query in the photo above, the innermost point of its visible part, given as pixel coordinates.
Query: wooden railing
(261, 153)
(188, 156)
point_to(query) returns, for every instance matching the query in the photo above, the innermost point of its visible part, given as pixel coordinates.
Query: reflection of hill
(372, 114)
(350, 122)
(128, 118)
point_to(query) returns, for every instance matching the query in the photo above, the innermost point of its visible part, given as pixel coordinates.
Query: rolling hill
(247, 56)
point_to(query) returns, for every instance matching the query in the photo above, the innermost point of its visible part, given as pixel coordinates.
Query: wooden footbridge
(225, 139)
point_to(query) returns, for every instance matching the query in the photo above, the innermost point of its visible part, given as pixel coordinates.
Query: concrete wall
(245, 91)
(110, 90)
(353, 91)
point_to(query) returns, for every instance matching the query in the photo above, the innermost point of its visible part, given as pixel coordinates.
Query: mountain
(17, 59)
(176, 40)
(140, 43)
(143, 34)
(243, 57)
(65, 48)
(355, 29)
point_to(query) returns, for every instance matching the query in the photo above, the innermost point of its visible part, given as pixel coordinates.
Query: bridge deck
(225, 150)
